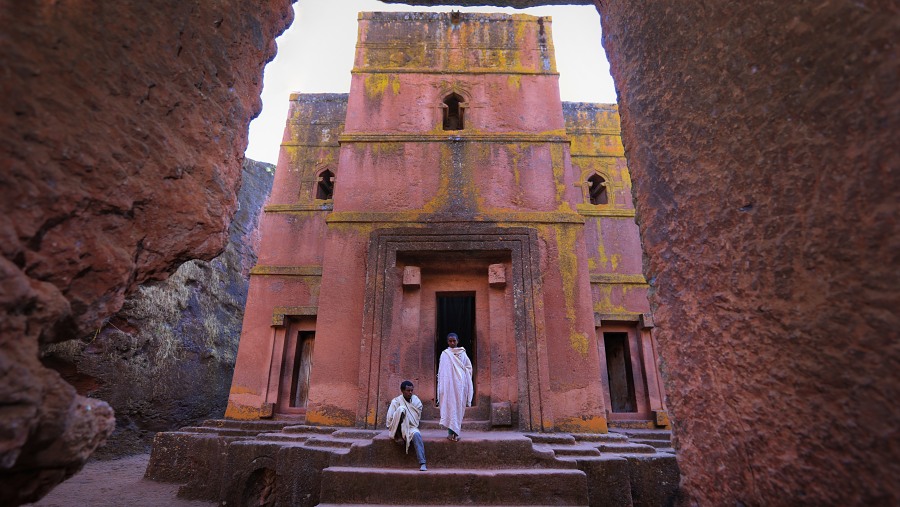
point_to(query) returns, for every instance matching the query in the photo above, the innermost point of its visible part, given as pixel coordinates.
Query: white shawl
(455, 387)
(413, 411)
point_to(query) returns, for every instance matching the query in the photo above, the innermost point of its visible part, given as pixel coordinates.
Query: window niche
(454, 110)
(325, 185)
(597, 193)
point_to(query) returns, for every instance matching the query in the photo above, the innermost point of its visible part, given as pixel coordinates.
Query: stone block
(662, 417)
(412, 277)
(497, 275)
(501, 414)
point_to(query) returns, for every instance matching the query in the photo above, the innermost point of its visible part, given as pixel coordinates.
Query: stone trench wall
(122, 130)
(762, 141)
(166, 359)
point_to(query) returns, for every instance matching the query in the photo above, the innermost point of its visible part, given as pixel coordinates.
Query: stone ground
(115, 483)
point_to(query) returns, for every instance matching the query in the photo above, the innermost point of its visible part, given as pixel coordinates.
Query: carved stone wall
(122, 131)
(761, 138)
(182, 331)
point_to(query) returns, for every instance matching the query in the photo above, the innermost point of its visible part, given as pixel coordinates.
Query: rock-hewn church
(450, 191)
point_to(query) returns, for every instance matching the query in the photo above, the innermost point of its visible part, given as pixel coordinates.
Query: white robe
(455, 387)
(410, 425)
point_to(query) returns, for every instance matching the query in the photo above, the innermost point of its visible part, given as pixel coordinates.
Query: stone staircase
(660, 439)
(271, 463)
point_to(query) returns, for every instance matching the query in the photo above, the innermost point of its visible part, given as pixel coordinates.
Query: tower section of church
(444, 194)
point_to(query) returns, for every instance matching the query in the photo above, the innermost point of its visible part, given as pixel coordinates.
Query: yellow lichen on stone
(241, 412)
(594, 424)
(318, 418)
(579, 343)
(568, 271)
(377, 84)
(601, 247)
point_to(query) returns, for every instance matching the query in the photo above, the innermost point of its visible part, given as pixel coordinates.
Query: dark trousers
(417, 443)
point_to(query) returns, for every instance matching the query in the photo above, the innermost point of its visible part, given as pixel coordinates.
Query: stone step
(356, 434)
(574, 450)
(629, 424)
(257, 425)
(432, 424)
(442, 486)
(223, 432)
(411, 505)
(305, 428)
(551, 438)
(659, 444)
(626, 448)
(474, 450)
(283, 437)
(399, 505)
(599, 437)
(648, 434)
(330, 442)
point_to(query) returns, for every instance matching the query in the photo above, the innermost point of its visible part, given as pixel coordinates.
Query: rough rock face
(518, 4)
(166, 359)
(122, 130)
(762, 141)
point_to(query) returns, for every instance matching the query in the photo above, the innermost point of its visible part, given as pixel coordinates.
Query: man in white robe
(403, 421)
(454, 387)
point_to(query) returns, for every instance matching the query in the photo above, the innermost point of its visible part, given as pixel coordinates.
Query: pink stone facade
(451, 190)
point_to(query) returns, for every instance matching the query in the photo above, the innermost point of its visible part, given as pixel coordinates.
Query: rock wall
(762, 142)
(166, 359)
(517, 4)
(122, 129)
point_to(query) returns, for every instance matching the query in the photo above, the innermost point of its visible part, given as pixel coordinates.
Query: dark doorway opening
(618, 366)
(453, 113)
(302, 368)
(456, 314)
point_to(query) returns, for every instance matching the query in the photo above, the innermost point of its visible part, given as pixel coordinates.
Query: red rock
(762, 141)
(122, 131)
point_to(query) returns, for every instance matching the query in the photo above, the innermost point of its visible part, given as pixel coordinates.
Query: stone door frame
(381, 279)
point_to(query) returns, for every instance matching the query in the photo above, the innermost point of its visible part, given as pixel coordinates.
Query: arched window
(597, 189)
(453, 112)
(325, 186)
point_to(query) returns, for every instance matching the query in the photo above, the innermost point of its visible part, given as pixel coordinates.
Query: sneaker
(423, 468)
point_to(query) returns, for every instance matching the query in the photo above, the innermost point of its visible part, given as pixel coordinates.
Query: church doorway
(455, 313)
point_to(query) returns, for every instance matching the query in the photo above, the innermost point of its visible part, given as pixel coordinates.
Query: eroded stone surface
(121, 136)
(179, 332)
(761, 137)
(518, 4)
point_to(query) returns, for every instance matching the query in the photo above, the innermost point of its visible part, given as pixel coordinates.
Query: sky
(315, 55)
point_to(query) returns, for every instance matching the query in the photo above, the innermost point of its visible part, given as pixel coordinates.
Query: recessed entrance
(456, 314)
(302, 367)
(621, 379)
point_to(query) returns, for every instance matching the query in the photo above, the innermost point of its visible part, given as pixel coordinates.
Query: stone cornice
(592, 155)
(279, 312)
(594, 132)
(513, 137)
(311, 145)
(260, 269)
(414, 217)
(591, 210)
(293, 208)
(413, 70)
(618, 279)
